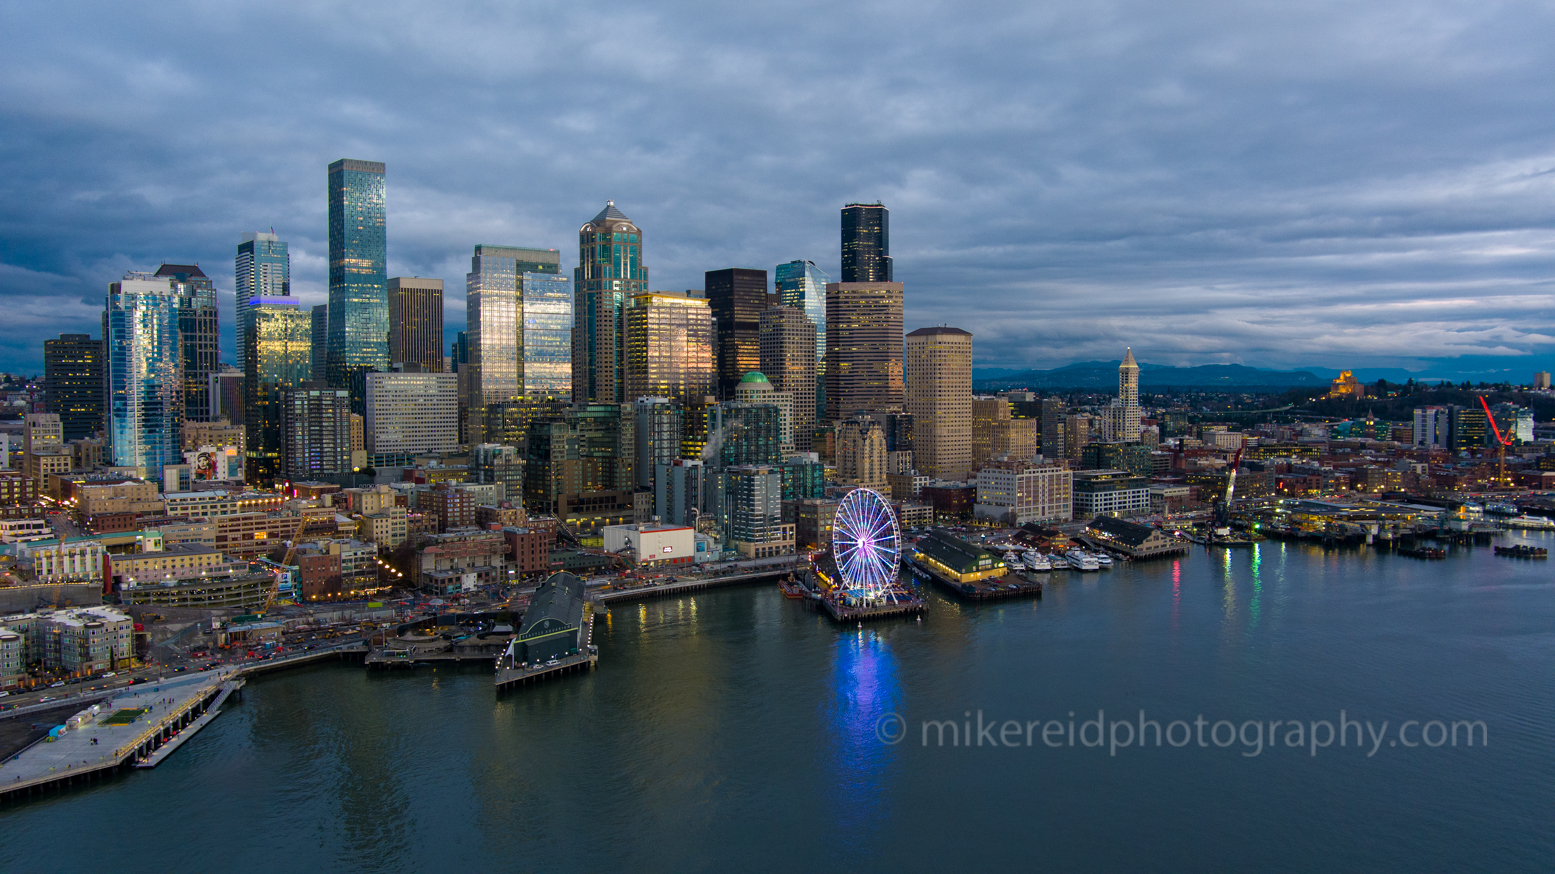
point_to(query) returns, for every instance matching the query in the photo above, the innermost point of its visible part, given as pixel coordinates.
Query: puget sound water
(734, 730)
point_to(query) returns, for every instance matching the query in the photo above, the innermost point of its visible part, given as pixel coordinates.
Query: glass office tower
(145, 373)
(866, 243)
(263, 268)
(494, 319)
(669, 347)
(547, 337)
(610, 271)
(802, 285)
(280, 359)
(201, 335)
(358, 339)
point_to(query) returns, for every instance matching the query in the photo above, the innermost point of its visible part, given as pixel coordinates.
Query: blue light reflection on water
(866, 685)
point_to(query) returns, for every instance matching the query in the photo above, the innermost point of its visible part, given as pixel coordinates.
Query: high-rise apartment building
(788, 361)
(802, 285)
(144, 398)
(1053, 428)
(610, 272)
(228, 387)
(737, 297)
(863, 347)
(866, 243)
(316, 433)
(416, 322)
(658, 426)
(263, 268)
(1128, 396)
(938, 386)
(669, 347)
(495, 315)
(411, 412)
(201, 331)
(358, 334)
(279, 347)
(73, 383)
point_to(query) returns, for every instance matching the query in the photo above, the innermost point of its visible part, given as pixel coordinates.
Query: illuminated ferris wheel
(866, 543)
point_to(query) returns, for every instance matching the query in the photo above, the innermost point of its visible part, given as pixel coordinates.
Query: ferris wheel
(866, 543)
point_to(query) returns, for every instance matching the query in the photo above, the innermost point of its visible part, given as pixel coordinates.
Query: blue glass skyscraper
(547, 337)
(263, 268)
(145, 373)
(358, 340)
(610, 270)
(802, 285)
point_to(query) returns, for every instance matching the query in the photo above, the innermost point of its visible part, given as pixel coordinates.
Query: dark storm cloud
(1297, 184)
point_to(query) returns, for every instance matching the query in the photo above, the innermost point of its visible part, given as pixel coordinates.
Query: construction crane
(1501, 443)
(291, 552)
(1222, 527)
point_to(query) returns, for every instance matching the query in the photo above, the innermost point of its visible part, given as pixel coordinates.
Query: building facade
(610, 272)
(316, 433)
(802, 285)
(937, 373)
(495, 318)
(863, 348)
(866, 243)
(737, 297)
(789, 363)
(200, 327)
(411, 412)
(358, 335)
(144, 397)
(1015, 492)
(280, 359)
(73, 383)
(669, 347)
(263, 268)
(1128, 397)
(416, 323)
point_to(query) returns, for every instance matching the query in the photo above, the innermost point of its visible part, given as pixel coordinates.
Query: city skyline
(1241, 206)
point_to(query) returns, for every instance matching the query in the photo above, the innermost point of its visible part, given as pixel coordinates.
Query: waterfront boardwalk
(642, 593)
(138, 725)
(840, 612)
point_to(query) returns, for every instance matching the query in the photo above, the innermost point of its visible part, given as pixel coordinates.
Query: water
(734, 730)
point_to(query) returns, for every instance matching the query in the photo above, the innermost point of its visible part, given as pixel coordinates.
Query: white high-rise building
(1128, 395)
(412, 412)
(263, 268)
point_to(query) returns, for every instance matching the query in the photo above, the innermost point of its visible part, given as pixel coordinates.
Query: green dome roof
(754, 376)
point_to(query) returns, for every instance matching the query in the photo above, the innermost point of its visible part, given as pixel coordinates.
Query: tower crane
(291, 552)
(1222, 527)
(1501, 443)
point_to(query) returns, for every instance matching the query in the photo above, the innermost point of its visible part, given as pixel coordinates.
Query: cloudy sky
(1302, 183)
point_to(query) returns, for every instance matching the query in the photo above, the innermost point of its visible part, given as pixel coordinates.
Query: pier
(991, 589)
(680, 587)
(840, 612)
(511, 676)
(138, 726)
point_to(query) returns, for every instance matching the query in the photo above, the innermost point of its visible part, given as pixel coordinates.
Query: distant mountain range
(1104, 375)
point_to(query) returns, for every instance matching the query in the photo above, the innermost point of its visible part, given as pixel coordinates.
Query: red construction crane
(1501, 444)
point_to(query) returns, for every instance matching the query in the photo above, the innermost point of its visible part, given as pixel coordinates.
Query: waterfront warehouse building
(957, 560)
(552, 622)
(1110, 493)
(652, 545)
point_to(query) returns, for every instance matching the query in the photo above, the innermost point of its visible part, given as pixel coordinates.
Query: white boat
(1011, 560)
(1081, 560)
(1103, 559)
(1036, 561)
(1531, 523)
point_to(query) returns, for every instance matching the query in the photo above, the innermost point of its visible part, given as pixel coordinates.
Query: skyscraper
(610, 271)
(546, 339)
(263, 268)
(279, 346)
(1128, 394)
(938, 377)
(416, 322)
(316, 433)
(659, 431)
(145, 372)
(866, 243)
(737, 297)
(73, 383)
(802, 285)
(863, 348)
(788, 360)
(494, 317)
(358, 335)
(201, 331)
(411, 412)
(669, 347)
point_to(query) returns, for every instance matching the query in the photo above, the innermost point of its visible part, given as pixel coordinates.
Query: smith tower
(866, 243)
(610, 271)
(358, 339)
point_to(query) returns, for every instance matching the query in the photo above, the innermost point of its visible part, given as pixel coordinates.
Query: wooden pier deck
(995, 589)
(511, 677)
